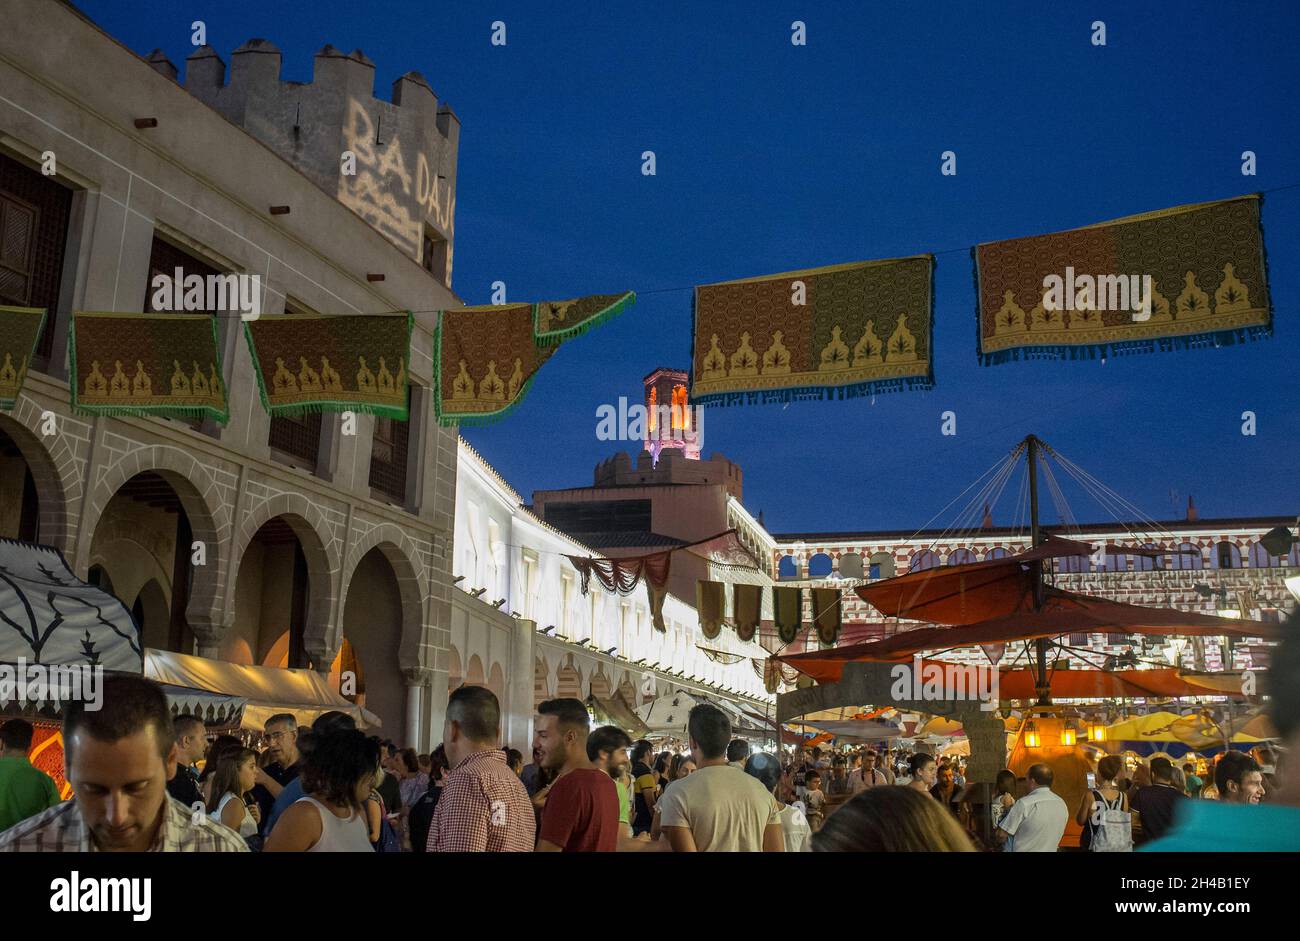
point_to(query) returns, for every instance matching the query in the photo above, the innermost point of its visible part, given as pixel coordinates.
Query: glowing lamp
(1031, 736)
(1096, 732)
(1068, 736)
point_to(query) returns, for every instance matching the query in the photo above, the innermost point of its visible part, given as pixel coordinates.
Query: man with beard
(607, 750)
(581, 813)
(118, 760)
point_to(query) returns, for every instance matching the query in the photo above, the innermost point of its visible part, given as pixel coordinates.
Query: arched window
(925, 559)
(1187, 557)
(787, 567)
(1227, 556)
(882, 565)
(961, 557)
(820, 565)
(1116, 561)
(1146, 563)
(851, 565)
(997, 552)
(1072, 563)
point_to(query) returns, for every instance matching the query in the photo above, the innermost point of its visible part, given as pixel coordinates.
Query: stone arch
(787, 567)
(541, 682)
(474, 675)
(207, 512)
(151, 615)
(55, 491)
(568, 681)
(922, 560)
(402, 554)
(496, 681)
(600, 686)
(321, 636)
(455, 672)
(820, 565)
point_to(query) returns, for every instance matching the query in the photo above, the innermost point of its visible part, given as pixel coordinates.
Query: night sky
(773, 157)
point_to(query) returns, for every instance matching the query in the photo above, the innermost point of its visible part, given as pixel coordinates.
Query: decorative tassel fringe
(1195, 341)
(818, 393)
(478, 421)
(556, 337)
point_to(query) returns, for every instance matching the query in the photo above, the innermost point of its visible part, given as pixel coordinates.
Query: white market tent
(264, 690)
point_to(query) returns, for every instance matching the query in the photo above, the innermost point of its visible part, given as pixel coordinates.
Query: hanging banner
(710, 599)
(20, 328)
(146, 364)
(349, 362)
(1188, 277)
(787, 610)
(485, 358)
(826, 615)
(839, 331)
(747, 609)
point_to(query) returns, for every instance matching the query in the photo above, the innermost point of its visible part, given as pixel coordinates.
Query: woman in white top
(233, 777)
(338, 774)
(794, 825)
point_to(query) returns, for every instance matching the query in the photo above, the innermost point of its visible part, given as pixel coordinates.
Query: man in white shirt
(1036, 822)
(715, 809)
(868, 775)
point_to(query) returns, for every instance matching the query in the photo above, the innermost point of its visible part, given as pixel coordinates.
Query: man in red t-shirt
(581, 813)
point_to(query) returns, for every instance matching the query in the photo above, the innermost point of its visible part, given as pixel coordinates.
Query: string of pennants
(1187, 277)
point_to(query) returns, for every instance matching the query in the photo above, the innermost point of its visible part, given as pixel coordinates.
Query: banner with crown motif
(20, 328)
(486, 357)
(840, 331)
(348, 362)
(1188, 277)
(146, 364)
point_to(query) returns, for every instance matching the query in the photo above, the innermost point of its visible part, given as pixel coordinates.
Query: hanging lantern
(1068, 736)
(1096, 731)
(1031, 737)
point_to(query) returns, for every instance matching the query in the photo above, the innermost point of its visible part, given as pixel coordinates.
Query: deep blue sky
(773, 157)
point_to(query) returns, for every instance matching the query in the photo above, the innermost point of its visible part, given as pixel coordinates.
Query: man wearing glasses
(283, 767)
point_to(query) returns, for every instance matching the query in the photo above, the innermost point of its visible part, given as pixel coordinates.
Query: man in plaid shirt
(484, 807)
(119, 760)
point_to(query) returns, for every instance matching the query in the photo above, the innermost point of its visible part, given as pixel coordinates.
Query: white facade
(546, 638)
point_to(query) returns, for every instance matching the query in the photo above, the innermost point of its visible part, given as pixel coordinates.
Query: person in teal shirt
(1238, 821)
(24, 791)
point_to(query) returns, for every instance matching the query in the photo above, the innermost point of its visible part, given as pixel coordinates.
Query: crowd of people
(143, 780)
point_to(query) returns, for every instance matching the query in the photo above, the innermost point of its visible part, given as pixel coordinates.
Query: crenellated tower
(671, 421)
(391, 162)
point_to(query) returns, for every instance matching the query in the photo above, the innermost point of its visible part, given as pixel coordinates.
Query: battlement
(393, 162)
(672, 468)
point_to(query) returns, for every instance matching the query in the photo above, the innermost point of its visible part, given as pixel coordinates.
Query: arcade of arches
(141, 551)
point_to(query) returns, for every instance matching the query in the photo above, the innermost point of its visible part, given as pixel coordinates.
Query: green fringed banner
(20, 328)
(1188, 277)
(486, 357)
(838, 331)
(348, 362)
(787, 611)
(146, 364)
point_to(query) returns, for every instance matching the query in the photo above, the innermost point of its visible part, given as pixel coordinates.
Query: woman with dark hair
(233, 775)
(891, 820)
(338, 777)
(662, 770)
(221, 745)
(1098, 802)
(679, 766)
(1004, 795)
(794, 825)
(514, 760)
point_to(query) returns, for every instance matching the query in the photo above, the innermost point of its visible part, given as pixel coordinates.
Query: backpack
(1112, 827)
(421, 818)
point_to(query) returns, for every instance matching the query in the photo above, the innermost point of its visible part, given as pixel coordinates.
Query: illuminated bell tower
(670, 421)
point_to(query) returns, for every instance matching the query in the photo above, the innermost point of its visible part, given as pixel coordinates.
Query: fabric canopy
(49, 616)
(1099, 684)
(615, 711)
(266, 690)
(1063, 612)
(668, 714)
(212, 708)
(859, 730)
(975, 591)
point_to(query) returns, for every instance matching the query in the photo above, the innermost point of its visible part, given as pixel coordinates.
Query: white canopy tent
(264, 690)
